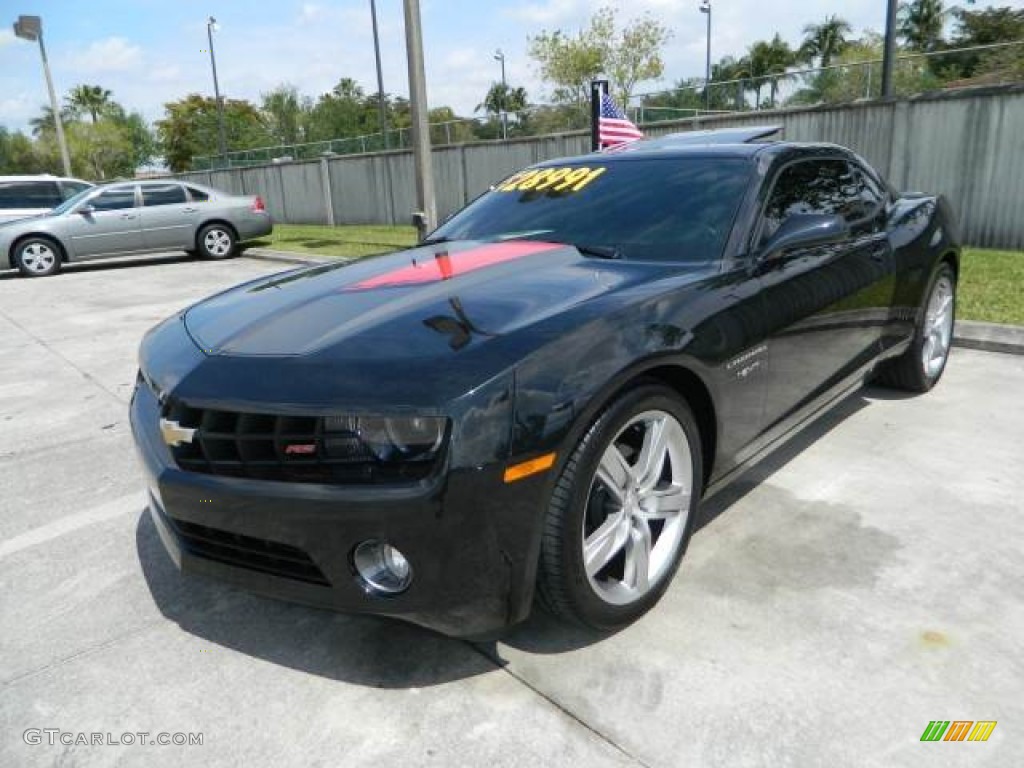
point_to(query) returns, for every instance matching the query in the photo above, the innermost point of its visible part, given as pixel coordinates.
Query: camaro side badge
(174, 434)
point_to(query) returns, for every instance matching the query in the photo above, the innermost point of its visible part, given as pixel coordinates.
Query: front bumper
(471, 539)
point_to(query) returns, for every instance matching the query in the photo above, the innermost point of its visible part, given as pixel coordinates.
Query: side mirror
(805, 230)
(85, 210)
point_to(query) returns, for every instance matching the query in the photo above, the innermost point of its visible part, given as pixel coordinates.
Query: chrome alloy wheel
(938, 327)
(38, 257)
(217, 242)
(637, 507)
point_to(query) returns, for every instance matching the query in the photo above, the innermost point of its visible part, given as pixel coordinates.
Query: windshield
(664, 209)
(71, 202)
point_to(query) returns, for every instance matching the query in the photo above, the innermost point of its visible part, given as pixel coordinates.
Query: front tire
(921, 366)
(216, 241)
(37, 257)
(622, 511)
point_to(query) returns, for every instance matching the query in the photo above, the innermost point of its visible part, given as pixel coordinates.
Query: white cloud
(112, 54)
(310, 12)
(547, 12)
(6, 36)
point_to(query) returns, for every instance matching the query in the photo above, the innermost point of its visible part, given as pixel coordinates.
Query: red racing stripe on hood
(445, 265)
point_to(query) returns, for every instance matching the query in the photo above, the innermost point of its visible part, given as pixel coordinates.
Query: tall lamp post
(31, 28)
(222, 143)
(500, 56)
(705, 7)
(381, 110)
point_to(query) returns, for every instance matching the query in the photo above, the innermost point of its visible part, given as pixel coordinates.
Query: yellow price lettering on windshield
(567, 179)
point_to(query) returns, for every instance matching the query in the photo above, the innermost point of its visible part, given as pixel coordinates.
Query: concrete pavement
(862, 581)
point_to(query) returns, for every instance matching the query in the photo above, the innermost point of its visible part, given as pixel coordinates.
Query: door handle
(127, 215)
(190, 210)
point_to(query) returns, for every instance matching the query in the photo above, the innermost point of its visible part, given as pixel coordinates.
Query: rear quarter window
(197, 195)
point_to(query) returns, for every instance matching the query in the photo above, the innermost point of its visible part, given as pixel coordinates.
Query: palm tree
(93, 100)
(503, 98)
(825, 40)
(778, 58)
(44, 123)
(921, 22)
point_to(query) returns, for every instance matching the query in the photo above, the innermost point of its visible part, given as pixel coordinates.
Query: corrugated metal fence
(968, 145)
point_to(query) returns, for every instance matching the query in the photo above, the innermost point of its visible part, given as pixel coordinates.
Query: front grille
(248, 552)
(286, 448)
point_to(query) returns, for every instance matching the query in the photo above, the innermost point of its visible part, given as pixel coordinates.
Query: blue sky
(149, 52)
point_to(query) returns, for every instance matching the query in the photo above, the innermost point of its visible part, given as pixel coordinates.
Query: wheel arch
(222, 222)
(61, 249)
(676, 375)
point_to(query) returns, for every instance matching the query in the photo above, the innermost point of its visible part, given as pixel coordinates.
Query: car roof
(42, 177)
(746, 142)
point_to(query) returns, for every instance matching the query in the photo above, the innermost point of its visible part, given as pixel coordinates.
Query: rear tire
(216, 241)
(622, 511)
(922, 365)
(37, 257)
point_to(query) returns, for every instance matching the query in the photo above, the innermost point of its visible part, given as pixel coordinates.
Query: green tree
(137, 132)
(824, 41)
(985, 27)
(570, 62)
(18, 154)
(92, 100)
(100, 150)
(920, 24)
(287, 113)
(448, 128)
(858, 75)
(189, 129)
(684, 100)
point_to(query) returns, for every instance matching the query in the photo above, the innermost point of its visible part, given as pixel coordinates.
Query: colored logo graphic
(958, 730)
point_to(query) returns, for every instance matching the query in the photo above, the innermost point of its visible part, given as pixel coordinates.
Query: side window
(197, 194)
(29, 194)
(114, 199)
(809, 186)
(162, 194)
(69, 189)
(866, 197)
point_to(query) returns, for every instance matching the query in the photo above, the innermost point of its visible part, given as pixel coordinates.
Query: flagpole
(597, 89)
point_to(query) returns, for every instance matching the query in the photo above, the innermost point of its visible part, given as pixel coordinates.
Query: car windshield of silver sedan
(664, 209)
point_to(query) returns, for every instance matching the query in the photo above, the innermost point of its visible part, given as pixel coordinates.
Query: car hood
(432, 300)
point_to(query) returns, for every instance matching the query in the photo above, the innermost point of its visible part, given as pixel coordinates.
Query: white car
(24, 196)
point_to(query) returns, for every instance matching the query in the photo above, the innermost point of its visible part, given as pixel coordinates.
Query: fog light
(382, 568)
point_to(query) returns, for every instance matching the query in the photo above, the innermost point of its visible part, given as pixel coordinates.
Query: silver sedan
(127, 218)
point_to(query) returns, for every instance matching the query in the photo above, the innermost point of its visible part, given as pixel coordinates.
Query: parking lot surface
(864, 580)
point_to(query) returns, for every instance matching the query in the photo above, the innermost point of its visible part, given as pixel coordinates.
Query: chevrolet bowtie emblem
(174, 434)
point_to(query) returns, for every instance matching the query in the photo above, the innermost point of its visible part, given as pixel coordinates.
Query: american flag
(614, 127)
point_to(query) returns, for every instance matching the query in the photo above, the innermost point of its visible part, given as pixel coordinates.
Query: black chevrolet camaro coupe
(532, 402)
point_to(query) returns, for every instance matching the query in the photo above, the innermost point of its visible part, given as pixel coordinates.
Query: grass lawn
(350, 241)
(991, 282)
(992, 286)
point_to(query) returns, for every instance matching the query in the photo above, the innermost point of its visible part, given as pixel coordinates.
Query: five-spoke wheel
(37, 257)
(216, 241)
(622, 510)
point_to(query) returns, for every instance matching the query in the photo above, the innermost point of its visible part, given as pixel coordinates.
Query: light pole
(499, 56)
(420, 131)
(889, 50)
(705, 7)
(222, 143)
(31, 28)
(382, 113)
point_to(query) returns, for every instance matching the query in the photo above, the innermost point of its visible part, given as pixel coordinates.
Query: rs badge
(174, 434)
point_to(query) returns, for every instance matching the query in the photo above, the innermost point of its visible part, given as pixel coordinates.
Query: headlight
(388, 438)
